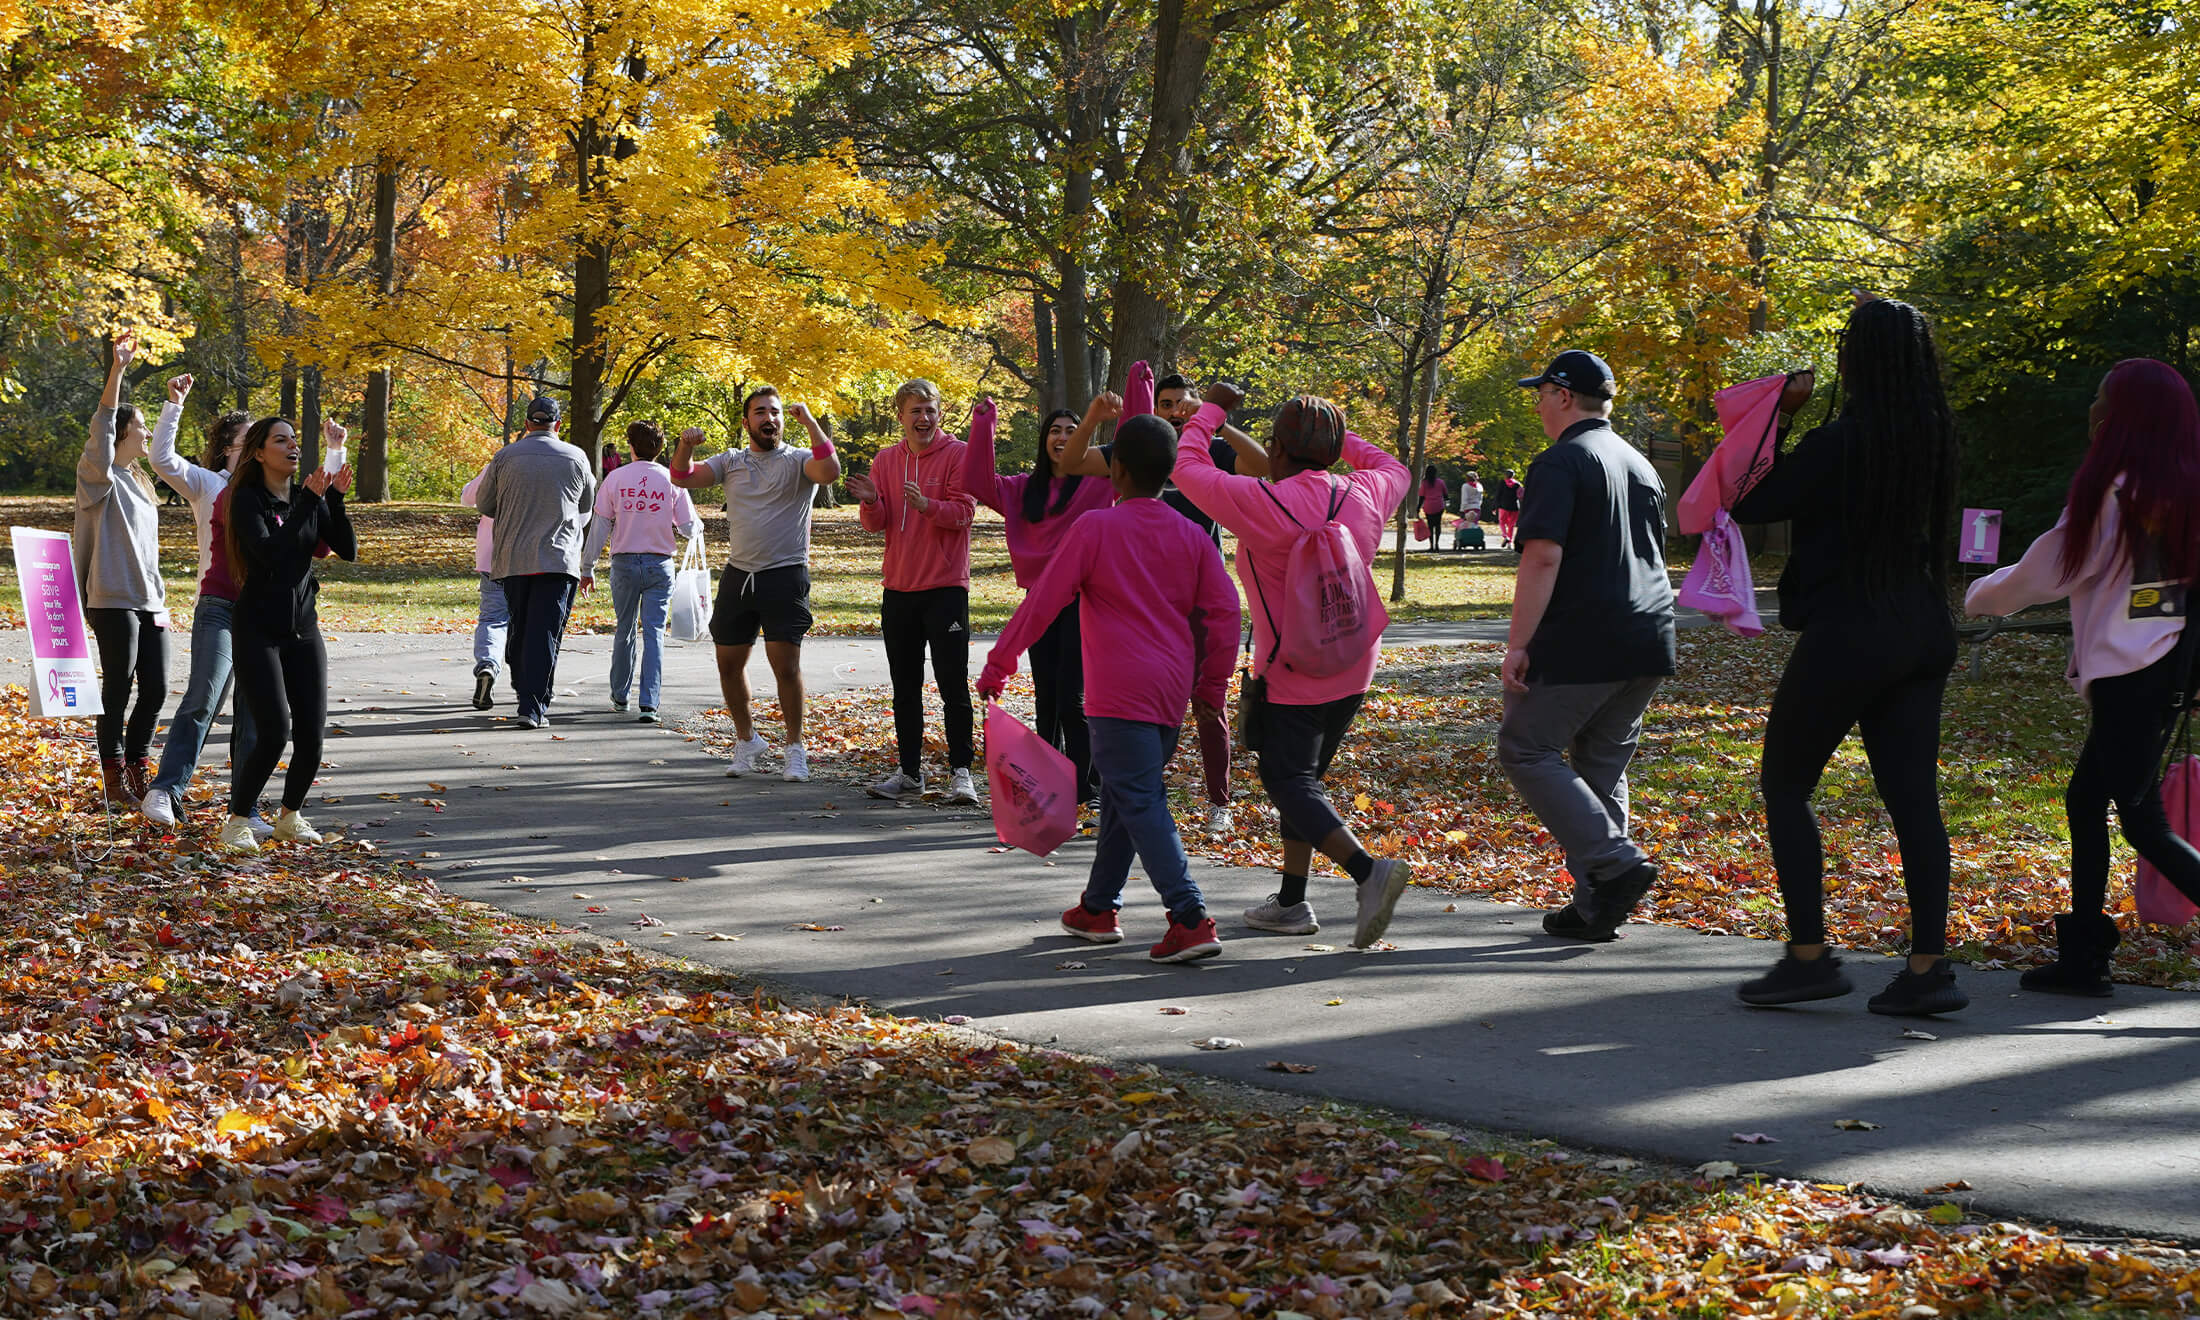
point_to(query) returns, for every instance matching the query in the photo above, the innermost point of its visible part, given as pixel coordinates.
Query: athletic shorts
(775, 602)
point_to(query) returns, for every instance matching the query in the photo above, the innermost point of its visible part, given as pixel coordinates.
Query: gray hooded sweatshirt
(117, 539)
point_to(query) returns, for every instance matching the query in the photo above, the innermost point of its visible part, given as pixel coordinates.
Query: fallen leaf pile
(309, 1084)
(1418, 778)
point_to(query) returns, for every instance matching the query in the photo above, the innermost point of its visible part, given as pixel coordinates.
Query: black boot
(2084, 947)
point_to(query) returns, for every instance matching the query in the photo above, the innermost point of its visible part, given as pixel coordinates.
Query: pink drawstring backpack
(1749, 413)
(2160, 902)
(1719, 583)
(1034, 786)
(1331, 616)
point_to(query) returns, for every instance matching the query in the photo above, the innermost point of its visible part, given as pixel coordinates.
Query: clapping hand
(341, 482)
(179, 388)
(914, 493)
(863, 488)
(317, 481)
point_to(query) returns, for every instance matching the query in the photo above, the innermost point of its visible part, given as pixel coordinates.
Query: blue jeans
(203, 695)
(489, 627)
(641, 590)
(1128, 756)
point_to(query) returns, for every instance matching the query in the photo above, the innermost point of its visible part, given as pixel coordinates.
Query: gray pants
(1566, 746)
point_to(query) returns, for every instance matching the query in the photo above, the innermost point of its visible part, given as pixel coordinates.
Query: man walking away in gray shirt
(1592, 633)
(539, 490)
(770, 487)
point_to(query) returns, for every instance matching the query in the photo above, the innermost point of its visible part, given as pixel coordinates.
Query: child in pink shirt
(1160, 624)
(1304, 719)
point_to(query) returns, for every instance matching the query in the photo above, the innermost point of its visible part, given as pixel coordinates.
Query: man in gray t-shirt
(765, 588)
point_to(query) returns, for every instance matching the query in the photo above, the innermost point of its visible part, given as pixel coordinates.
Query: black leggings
(2132, 718)
(285, 682)
(1058, 691)
(1297, 743)
(912, 621)
(131, 650)
(1885, 673)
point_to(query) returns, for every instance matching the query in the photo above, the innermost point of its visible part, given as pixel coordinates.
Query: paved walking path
(2061, 1111)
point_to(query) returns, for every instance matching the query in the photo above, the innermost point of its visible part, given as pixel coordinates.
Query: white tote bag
(688, 617)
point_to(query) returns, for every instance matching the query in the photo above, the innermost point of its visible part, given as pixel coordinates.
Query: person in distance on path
(273, 527)
(1160, 626)
(914, 495)
(539, 490)
(2126, 551)
(765, 588)
(1231, 451)
(1304, 718)
(1592, 633)
(1870, 497)
(639, 513)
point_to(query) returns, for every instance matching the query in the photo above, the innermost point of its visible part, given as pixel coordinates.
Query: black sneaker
(1618, 897)
(485, 686)
(1921, 994)
(1794, 980)
(1567, 923)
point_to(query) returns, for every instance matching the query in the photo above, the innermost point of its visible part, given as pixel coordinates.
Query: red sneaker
(1188, 943)
(1099, 927)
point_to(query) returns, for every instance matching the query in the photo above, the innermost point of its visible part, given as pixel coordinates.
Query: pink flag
(1749, 414)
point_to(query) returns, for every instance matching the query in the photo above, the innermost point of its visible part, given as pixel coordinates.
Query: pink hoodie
(1158, 614)
(1266, 534)
(929, 549)
(1030, 544)
(2104, 640)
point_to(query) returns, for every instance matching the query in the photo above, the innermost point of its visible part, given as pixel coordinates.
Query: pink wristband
(680, 471)
(823, 448)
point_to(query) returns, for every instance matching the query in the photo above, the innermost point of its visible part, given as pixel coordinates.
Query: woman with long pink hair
(2126, 552)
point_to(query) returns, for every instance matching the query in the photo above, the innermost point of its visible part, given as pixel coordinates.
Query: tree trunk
(372, 484)
(1768, 183)
(1050, 362)
(241, 364)
(1072, 335)
(293, 273)
(1408, 378)
(309, 419)
(1182, 47)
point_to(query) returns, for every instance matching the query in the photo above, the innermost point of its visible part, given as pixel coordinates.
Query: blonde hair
(916, 389)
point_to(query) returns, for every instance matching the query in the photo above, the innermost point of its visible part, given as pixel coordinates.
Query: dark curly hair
(222, 434)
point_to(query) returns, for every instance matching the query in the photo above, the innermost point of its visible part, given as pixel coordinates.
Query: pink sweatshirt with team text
(1266, 534)
(1155, 605)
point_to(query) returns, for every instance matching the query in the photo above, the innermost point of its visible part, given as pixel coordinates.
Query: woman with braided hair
(1870, 497)
(1304, 717)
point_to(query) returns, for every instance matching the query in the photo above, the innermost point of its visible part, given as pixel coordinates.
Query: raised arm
(1252, 460)
(1138, 390)
(1388, 478)
(1239, 502)
(683, 454)
(978, 476)
(1078, 456)
(1794, 481)
(96, 466)
(823, 466)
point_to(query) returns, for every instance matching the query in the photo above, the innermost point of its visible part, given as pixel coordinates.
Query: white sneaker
(290, 827)
(159, 806)
(960, 790)
(797, 767)
(897, 786)
(1297, 919)
(1378, 898)
(260, 828)
(1219, 820)
(744, 756)
(237, 836)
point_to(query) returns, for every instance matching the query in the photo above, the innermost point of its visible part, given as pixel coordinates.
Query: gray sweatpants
(1566, 746)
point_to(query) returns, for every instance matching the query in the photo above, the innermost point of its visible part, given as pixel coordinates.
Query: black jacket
(276, 540)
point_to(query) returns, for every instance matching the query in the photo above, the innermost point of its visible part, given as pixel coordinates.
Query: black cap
(544, 410)
(1583, 373)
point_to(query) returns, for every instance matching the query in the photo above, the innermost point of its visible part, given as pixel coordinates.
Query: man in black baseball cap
(543, 414)
(539, 490)
(1592, 634)
(1583, 373)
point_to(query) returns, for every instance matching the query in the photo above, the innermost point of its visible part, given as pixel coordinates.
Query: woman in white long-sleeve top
(116, 546)
(201, 485)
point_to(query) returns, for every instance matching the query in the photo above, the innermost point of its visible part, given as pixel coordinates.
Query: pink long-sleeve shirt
(930, 548)
(1266, 533)
(1030, 544)
(1157, 612)
(2104, 640)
